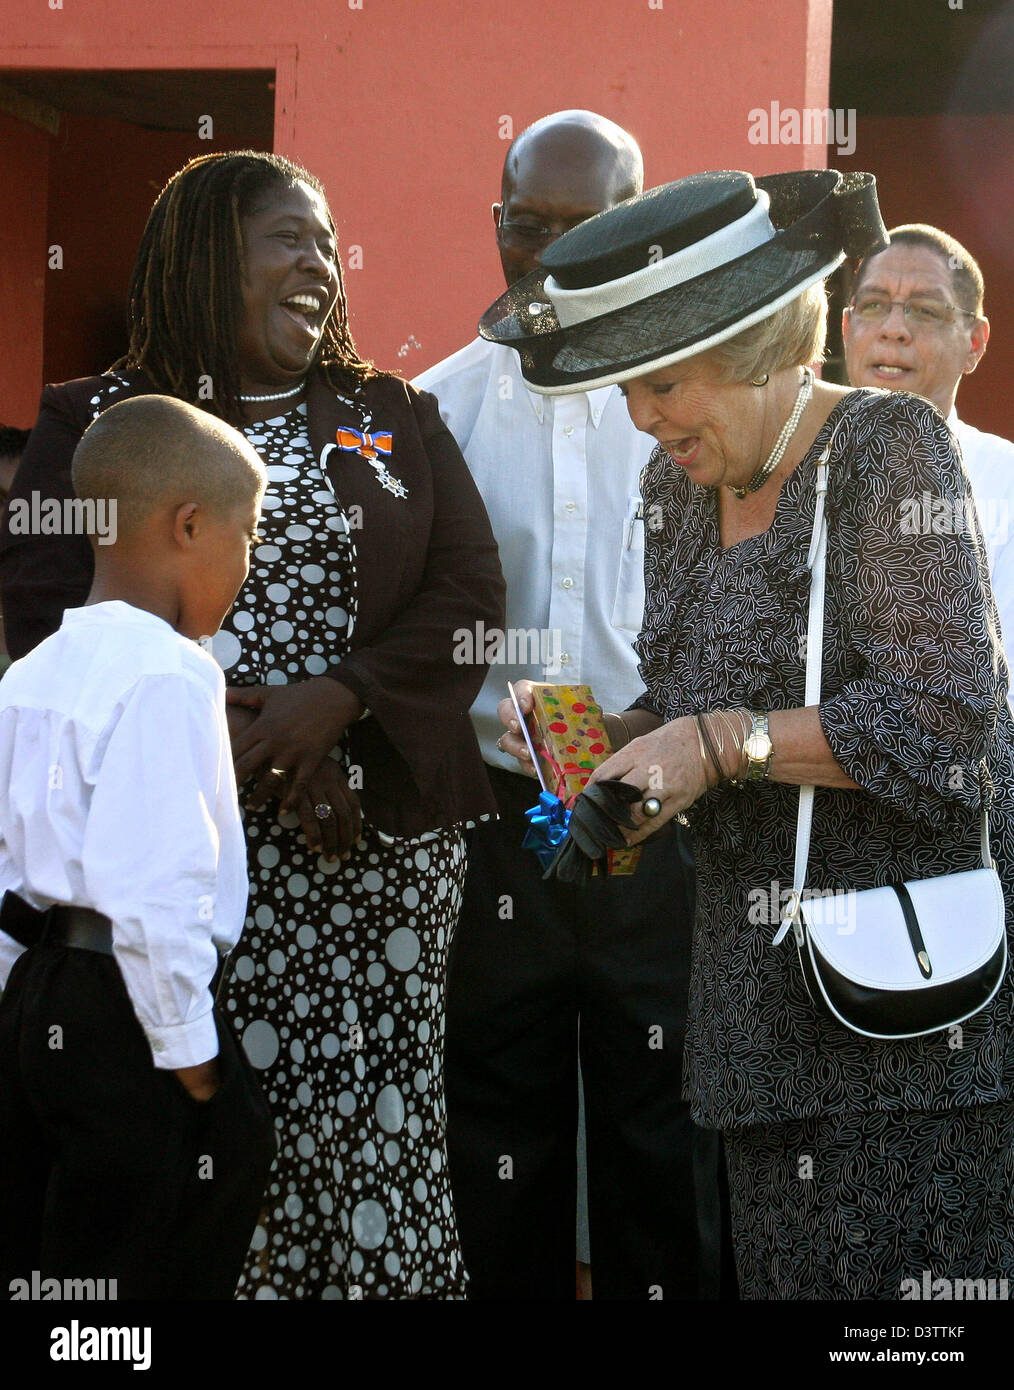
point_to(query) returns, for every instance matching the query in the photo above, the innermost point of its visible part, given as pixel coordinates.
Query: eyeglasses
(530, 235)
(921, 313)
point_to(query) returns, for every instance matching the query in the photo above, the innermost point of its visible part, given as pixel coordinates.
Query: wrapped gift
(572, 741)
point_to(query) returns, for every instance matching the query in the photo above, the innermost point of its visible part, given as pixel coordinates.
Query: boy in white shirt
(135, 1142)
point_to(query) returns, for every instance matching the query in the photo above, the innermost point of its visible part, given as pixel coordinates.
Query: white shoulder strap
(816, 563)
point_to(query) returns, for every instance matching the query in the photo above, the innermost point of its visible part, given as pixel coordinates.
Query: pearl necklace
(278, 395)
(782, 442)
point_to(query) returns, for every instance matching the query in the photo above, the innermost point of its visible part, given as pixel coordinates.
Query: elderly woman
(855, 1163)
(339, 653)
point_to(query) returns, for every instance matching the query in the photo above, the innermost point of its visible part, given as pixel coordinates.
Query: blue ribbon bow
(548, 828)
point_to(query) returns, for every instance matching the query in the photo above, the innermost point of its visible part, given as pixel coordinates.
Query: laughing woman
(856, 1161)
(348, 709)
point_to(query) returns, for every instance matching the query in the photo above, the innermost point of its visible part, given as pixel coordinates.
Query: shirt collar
(596, 401)
(115, 610)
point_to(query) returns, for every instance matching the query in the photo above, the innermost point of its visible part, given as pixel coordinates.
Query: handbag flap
(865, 937)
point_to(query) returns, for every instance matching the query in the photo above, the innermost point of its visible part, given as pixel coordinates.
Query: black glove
(594, 827)
(20, 920)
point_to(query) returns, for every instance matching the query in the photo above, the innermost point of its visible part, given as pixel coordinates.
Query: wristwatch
(757, 749)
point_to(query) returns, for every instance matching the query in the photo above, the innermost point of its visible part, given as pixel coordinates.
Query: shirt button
(157, 1045)
(565, 658)
(571, 506)
(567, 583)
(568, 429)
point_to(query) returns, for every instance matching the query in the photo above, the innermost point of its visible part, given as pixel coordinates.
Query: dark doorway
(86, 153)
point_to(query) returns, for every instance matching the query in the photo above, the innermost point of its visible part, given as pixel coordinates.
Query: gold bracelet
(744, 734)
(719, 739)
(727, 722)
(739, 738)
(709, 744)
(700, 744)
(623, 725)
(747, 724)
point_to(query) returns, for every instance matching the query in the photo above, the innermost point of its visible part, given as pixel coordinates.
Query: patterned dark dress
(832, 1139)
(337, 986)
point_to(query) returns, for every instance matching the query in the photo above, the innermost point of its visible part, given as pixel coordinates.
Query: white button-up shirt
(560, 477)
(117, 793)
(989, 464)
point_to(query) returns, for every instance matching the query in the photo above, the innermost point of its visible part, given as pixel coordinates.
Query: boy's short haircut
(152, 451)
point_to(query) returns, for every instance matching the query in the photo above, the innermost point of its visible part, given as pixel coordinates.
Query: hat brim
(698, 314)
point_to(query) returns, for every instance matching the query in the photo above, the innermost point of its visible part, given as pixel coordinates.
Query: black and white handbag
(902, 960)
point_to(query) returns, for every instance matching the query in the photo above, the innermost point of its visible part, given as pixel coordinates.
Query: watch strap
(757, 769)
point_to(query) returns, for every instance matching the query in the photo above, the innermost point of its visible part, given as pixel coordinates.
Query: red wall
(404, 108)
(955, 172)
(24, 163)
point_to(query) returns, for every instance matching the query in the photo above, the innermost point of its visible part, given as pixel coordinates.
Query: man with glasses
(535, 961)
(915, 323)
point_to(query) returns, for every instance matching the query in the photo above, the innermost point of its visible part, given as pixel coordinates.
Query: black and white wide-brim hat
(677, 270)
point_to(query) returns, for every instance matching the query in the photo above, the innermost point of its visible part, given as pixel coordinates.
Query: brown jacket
(427, 567)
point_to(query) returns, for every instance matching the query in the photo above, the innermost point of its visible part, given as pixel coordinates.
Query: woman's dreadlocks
(185, 299)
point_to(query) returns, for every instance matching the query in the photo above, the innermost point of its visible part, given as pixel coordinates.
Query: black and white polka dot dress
(337, 985)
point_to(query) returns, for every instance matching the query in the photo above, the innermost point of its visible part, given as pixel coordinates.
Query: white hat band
(727, 244)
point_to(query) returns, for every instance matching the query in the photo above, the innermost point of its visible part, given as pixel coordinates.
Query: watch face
(758, 747)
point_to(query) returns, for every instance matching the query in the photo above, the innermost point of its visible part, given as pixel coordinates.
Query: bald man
(540, 973)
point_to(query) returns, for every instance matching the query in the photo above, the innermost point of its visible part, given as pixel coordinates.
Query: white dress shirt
(117, 793)
(560, 477)
(989, 464)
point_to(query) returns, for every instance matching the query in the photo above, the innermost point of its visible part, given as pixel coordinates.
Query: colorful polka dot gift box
(572, 742)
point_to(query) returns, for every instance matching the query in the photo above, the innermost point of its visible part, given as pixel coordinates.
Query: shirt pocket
(628, 603)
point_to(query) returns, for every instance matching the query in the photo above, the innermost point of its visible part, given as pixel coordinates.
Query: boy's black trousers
(109, 1169)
